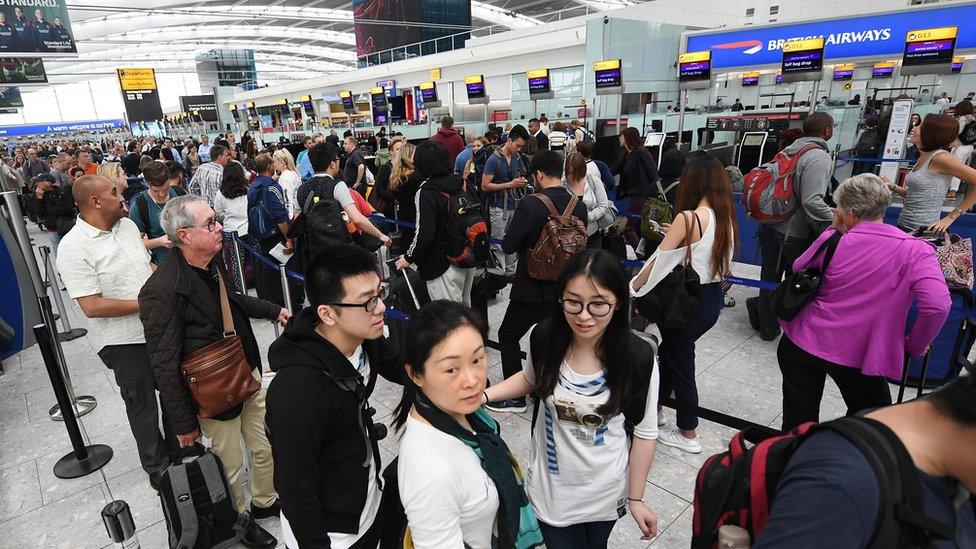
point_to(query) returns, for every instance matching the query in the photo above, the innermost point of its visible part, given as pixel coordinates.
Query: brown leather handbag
(218, 375)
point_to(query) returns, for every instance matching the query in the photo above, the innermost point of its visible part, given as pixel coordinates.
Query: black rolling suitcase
(921, 380)
(407, 293)
(198, 505)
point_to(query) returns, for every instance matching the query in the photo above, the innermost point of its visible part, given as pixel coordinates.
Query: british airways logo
(748, 46)
(751, 47)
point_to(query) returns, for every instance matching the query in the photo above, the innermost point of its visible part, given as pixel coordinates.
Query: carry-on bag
(198, 506)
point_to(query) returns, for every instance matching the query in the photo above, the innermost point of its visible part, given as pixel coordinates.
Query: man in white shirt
(168, 143)
(103, 265)
(204, 149)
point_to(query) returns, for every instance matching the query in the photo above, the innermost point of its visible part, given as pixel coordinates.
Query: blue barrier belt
(873, 160)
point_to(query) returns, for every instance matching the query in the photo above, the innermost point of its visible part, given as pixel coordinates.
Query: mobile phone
(657, 226)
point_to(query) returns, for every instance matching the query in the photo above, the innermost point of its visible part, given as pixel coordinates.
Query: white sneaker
(675, 439)
(662, 419)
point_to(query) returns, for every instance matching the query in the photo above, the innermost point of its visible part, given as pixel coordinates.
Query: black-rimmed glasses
(210, 224)
(370, 304)
(595, 308)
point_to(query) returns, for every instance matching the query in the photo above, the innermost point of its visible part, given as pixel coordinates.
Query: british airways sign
(874, 35)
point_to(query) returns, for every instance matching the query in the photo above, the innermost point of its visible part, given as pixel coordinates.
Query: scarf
(517, 527)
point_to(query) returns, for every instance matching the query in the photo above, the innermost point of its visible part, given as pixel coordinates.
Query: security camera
(606, 20)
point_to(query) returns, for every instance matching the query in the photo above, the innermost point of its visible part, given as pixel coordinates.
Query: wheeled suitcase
(921, 379)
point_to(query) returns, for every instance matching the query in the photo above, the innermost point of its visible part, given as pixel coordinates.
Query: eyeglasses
(210, 225)
(595, 308)
(371, 304)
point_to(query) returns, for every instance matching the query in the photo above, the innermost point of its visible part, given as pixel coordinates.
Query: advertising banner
(204, 104)
(65, 127)
(375, 37)
(875, 35)
(901, 117)
(10, 98)
(139, 94)
(29, 27)
(22, 70)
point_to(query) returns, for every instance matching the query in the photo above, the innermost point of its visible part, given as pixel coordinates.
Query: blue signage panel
(63, 127)
(881, 35)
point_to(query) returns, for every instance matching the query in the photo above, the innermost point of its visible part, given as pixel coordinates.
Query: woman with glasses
(595, 382)
(706, 217)
(181, 312)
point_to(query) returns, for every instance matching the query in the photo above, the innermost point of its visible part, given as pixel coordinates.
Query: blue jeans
(677, 354)
(774, 267)
(588, 535)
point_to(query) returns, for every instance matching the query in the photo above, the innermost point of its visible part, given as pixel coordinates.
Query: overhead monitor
(695, 69)
(608, 77)
(252, 110)
(475, 86)
(844, 72)
(929, 51)
(539, 86)
(308, 106)
(389, 86)
(750, 79)
(779, 78)
(428, 95)
(348, 103)
(957, 64)
(283, 108)
(883, 70)
(378, 99)
(803, 60)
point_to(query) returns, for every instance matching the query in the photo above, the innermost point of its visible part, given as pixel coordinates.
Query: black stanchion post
(83, 459)
(51, 274)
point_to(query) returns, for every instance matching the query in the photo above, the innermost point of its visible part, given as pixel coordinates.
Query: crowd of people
(142, 234)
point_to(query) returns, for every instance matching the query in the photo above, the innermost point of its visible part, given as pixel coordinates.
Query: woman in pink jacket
(854, 329)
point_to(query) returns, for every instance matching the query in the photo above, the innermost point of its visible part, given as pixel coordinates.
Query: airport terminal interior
(205, 203)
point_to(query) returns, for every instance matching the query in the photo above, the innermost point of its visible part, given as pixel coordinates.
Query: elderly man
(103, 265)
(204, 149)
(34, 166)
(206, 180)
(180, 308)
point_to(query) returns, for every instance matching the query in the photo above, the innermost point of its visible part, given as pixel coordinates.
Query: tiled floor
(737, 374)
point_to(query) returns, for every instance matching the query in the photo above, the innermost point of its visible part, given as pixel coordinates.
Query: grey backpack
(198, 505)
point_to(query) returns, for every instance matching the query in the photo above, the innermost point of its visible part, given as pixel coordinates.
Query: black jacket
(130, 164)
(404, 194)
(638, 172)
(526, 225)
(381, 194)
(428, 250)
(56, 210)
(180, 313)
(321, 434)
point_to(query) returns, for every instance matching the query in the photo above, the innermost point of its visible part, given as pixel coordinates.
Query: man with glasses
(103, 264)
(206, 180)
(319, 419)
(530, 299)
(181, 313)
(146, 207)
(34, 166)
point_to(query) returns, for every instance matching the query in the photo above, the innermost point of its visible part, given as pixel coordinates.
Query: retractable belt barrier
(872, 160)
(704, 413)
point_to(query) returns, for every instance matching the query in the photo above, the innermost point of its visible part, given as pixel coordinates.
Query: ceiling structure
(292, 39)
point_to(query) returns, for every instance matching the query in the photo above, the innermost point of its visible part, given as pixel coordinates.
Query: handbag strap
(688, 227)
(225, 313)
(830, 245)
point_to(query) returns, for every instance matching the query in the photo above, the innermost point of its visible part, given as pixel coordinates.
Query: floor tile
(19, 490)
(72, 523)
(665, 505)
(677, 534)
(133, 488)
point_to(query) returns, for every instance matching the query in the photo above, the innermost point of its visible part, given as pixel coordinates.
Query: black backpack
(968, 134)
(738, 487)
(321, 222)
(467, 231)
(480, 159)
(198, 505)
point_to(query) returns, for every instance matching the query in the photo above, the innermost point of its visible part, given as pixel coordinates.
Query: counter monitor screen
(929, 47)
(475, 86)
(752, 140)
(750, 79)
(883, 70)
(957, 65)
(607, 74)
(378, 98)
(695, 66)
(347, 101)
(252, 111)
(844, 72)
(308, 106)
(428, 92)
(800, 56)
(538, 81)
(779, 78)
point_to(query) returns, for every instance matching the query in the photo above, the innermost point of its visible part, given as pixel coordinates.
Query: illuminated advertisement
(375, 37)
(22, 70)
(607, 74)
(10, 98)
(844, 72)
(750, 79)
(35, 26)
(929, 47)
(694, 66)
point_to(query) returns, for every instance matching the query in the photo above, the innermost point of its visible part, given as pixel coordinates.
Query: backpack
(968, 134)
(768, 191)
(480, 159)
(198, 505)
(467, 231)
(659, 210)
(260, 224)
(321, 222)
(587, 136)
(738, 487)
(562, 237)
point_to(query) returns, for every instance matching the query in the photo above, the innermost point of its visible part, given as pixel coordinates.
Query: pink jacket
(858, 317)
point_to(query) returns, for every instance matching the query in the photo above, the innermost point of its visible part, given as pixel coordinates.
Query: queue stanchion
(51, 275)
(238, 260)
(285, 290)
(82, 460)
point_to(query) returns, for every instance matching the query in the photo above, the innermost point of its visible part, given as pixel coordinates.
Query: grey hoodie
(813, 172)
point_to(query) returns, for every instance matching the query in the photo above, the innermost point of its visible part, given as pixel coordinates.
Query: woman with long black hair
(704, 206)
(459, 484)
(595, 381)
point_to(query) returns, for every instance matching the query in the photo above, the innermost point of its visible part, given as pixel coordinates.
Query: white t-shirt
(290, 181)
(112, 263)
(578, 469)
(234, 211)
(664, 261)
(373, 490)
(449, 500)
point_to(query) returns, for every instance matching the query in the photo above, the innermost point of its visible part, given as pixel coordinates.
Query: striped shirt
(206, 181)
(557, 141)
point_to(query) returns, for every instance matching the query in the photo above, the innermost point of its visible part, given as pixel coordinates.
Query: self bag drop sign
(870, 35)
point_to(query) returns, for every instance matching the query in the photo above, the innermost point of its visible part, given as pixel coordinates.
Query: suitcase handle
(392, 265)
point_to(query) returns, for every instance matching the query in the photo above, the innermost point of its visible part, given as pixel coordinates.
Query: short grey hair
(865, 195)
(469, 136)
(177, 215)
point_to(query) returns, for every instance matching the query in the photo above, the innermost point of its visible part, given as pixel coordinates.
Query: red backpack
(467, 243)
(768, 192)
(738, 487)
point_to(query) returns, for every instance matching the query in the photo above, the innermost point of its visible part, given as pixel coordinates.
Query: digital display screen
(538, 81)
(475, 86)
(956, 67)
(749, 80)
(283, 108)
(428, 92)
(252, 111)
(883, 71)
(607, 74)
(844, 73)
(779, 78)
(694, 66)
(802, 61)
(752, 140)
(379, 100)
(347, 101)
(309, 108)
(930, 47)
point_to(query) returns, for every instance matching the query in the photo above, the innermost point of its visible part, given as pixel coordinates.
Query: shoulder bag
(218, 375)
(673, 302)
(789, 298)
